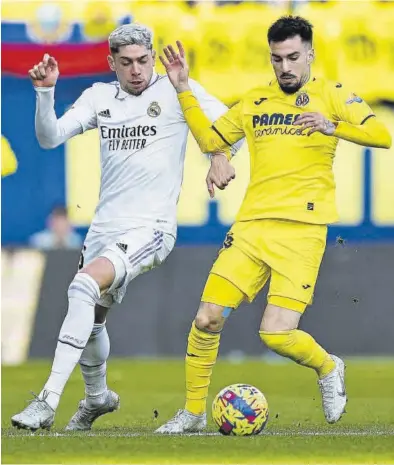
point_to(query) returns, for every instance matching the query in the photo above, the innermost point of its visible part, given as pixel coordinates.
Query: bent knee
(85, 288)
(277, 319)
(103, 270)
(210, 317)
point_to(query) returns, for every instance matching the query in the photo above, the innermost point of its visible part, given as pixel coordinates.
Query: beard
(291, 88)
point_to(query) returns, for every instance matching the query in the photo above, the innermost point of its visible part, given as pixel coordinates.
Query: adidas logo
(105, 114)
(122, 247)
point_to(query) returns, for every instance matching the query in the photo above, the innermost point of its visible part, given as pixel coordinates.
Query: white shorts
(136, 251)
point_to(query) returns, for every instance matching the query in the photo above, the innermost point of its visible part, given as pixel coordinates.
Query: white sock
(83, 295)
(93, 364)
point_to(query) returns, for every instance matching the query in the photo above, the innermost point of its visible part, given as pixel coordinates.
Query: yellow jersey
(9, 163)
(291, 175)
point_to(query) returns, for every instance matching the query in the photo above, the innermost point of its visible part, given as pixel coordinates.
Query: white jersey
(143, 143)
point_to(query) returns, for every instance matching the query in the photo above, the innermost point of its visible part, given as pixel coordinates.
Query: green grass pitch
(296, 432)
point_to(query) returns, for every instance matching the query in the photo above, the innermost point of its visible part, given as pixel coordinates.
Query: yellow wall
(228, 47)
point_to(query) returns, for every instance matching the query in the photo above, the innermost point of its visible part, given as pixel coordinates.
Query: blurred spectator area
(228, 53)
(228, 39)
(58, 234)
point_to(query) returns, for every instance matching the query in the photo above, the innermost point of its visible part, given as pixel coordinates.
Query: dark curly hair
(287, 27)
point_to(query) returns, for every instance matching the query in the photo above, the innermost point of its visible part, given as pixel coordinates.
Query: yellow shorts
(289, 252)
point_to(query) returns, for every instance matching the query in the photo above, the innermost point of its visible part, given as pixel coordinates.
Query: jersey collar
(275, 84)
(122, 94)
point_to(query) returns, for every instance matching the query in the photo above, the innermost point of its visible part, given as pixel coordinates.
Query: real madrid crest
(302, 100)
(154, 110)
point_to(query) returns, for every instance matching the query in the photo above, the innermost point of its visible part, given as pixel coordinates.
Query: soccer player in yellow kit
(292, 127)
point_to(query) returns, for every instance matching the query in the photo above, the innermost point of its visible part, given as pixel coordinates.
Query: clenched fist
(220, 173)
(46, 73)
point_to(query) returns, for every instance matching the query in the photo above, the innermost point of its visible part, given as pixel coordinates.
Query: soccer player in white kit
(143, 140)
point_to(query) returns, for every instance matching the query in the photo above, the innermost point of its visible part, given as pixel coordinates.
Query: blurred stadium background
(226, 42)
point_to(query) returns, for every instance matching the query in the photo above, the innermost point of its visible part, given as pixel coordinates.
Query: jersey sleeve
(215, 109)
(83, 111)
(349, 107)
(210, 105)
(51, 131)
(230, 126)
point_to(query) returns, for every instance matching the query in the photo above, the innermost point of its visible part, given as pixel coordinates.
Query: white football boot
(39, 414)
(333, 392)
(83, 419)
(184, 422)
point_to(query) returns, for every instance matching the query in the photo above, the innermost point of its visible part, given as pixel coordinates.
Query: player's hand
(220, 173)
(317, 122)
(176, 67)
(45, 73)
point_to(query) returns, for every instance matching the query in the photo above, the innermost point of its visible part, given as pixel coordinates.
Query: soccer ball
(240, 410)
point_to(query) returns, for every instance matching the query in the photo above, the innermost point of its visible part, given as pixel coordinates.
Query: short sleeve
(230, 125)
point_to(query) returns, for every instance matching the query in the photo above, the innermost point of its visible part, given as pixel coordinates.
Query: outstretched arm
(353, 120)
(213, 109)
(51, 131)
(204, 132)
(371, 133)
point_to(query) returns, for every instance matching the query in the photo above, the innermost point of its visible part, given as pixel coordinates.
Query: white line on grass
(147, 434)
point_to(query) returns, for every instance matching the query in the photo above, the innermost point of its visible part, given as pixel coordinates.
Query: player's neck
(305, 79)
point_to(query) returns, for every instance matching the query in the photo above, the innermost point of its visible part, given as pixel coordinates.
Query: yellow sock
(300, 347)
(202, 350)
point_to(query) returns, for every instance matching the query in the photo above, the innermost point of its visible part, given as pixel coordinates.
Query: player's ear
(111, 62)
(311, 56)
(154, 56)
